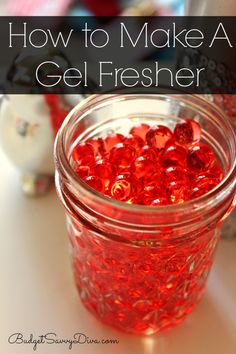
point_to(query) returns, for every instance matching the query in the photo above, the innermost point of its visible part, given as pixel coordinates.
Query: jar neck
(82, 201)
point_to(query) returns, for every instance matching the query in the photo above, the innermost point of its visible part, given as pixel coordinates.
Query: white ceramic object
(27, 138)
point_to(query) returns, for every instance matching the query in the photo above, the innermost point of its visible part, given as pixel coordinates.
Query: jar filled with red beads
(146, 182)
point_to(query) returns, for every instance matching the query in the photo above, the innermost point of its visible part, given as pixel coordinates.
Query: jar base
(141, 327)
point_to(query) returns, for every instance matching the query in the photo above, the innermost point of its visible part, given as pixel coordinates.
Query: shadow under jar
(139, 268)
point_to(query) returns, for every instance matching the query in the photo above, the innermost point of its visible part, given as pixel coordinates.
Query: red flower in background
(57, 111)
(103, 7)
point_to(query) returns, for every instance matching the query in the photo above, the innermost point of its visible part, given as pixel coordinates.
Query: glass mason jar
(139, 268)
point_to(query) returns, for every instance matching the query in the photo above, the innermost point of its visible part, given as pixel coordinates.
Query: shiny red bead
(132, 200)
(113, 139)
(175, 173)
(205, 178)
(203, 183)
(176, 182)
(159, 201)
(177, 191)
(150, 193)
(187, 133)
(149, 152)
(83, 154)
(104, 170)
(143, 167)
(200, 158)
(95, 182)
(216, 170)
(158, 136)
(134, 140)
(196, 192)
(82, 171)
(122, 155)
(124, 186)
(140, 130)
(173, 155)
(98, 145)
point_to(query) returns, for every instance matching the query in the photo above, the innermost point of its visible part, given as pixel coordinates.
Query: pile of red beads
(151, 165)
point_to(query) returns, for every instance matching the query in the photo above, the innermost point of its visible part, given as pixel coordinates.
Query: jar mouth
(212, 196)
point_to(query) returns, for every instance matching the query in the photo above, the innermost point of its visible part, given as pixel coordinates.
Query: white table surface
(38, 294)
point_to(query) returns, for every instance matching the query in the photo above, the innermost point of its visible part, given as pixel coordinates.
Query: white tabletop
(38, 294)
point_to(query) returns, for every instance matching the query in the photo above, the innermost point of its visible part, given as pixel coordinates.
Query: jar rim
(200, 202)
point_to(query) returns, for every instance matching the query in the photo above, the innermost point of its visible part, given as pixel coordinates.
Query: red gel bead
(122, 155)
(176, 184)
(173, 155)
(187, 133)
(175, 173)
(196, 192)
(206, 181)
(82, 171)
(153, 187)
(200, 158)
(205, 178)
(95, 182)
(203, 183)
(143, 167)
(134, 140)
(158, 136)
(132, 200)
(149, 152)
(150, 193)
(217, 171)
(124, 187)
(140, 130)
(98, 145)
(113, 139)
(159, 201)
(83, 154)
(155, 179)
(104, 171)
(177, 191)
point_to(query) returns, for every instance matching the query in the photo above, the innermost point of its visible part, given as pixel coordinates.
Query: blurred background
(89, 7)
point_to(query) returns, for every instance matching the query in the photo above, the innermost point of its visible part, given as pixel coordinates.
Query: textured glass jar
(140, 268)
